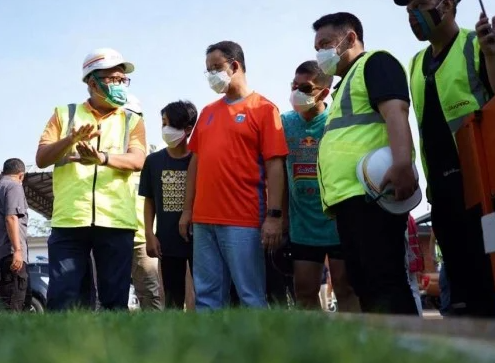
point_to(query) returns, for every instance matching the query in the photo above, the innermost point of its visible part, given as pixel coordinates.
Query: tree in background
(38, 227)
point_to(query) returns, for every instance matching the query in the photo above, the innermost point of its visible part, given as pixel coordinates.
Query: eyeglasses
(304, 87)
(218, 67)
(115, 80)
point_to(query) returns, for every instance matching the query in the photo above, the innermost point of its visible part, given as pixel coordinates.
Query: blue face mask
(425, 22)
(116, 94)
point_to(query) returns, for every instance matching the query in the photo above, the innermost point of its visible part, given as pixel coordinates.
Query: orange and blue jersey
(232, 141)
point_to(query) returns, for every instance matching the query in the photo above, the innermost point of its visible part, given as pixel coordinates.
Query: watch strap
(274, 213)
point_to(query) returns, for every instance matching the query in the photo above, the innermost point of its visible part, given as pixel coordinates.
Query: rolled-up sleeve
(52, 131)
(137, 137)
(15, 201)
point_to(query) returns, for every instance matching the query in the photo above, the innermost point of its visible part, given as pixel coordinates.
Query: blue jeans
(68, 255)
(222, 254)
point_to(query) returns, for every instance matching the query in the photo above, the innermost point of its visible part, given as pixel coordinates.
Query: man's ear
(21, 177)
(188, 130)
(237, 67)
(92, 86)
(349, 42)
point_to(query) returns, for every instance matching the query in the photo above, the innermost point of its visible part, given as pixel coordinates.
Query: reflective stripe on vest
(349, 118)
(460, 68)
(86, 195)
(353, 129)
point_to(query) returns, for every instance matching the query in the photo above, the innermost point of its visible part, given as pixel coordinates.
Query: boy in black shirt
(163, 184)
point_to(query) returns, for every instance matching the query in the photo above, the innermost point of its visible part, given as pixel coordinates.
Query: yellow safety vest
(459, 86)
(352, 130)
(89, 195)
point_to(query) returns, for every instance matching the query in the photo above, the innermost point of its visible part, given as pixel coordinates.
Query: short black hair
(311, 67)
(343, 22)
(13, 166)
(230, 50)
(180, 114)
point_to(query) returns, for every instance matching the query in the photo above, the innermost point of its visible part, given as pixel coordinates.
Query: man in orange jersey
(238, 154)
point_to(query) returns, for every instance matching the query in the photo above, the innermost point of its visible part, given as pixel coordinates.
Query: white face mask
(328, 59)
(172, 136)
(301, 101)
(219, 81)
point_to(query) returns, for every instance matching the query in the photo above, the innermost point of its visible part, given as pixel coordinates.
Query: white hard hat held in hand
(370, 172)
(104, 58)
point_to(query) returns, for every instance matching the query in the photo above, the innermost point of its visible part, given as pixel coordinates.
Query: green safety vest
(353, 129)
(459, 86)
(89, 195)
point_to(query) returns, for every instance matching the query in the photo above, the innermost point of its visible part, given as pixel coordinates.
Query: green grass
(234, 336)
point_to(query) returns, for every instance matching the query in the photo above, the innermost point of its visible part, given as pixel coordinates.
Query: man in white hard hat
(95, 147)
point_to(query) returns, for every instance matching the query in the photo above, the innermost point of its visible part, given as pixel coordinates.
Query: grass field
(235, 336)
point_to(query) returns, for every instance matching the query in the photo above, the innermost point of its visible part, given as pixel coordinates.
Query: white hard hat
(104, 58)
(133, 104)
(370, 172)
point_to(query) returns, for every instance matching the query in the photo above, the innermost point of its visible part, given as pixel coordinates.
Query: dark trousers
(174, 280)
(13, 285)
(374, 251)
(467, 267)
(69, 252)
(277, 285)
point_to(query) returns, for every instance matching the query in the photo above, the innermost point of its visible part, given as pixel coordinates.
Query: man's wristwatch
(105, 162)
(274, 213)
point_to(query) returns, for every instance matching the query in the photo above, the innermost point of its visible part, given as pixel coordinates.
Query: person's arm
(274, 150)
(49, 154)
(486, 38)
(192, 171)
(14, 208)
(388, 92)
(12, 225)
(191, 183)
(52, 148)
(186, 217)
(490, 70)
(131, 161)
(146, 190)
(396, 115)
(149, 217)
(285, 201)
(275, 182)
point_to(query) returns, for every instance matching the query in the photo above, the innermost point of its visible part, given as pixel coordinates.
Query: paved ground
(432, 315)
(475, 337)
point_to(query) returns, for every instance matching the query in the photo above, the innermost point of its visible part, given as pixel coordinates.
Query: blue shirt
(308, 224)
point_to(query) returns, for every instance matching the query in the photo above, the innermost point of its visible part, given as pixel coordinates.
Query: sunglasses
(304, 87)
